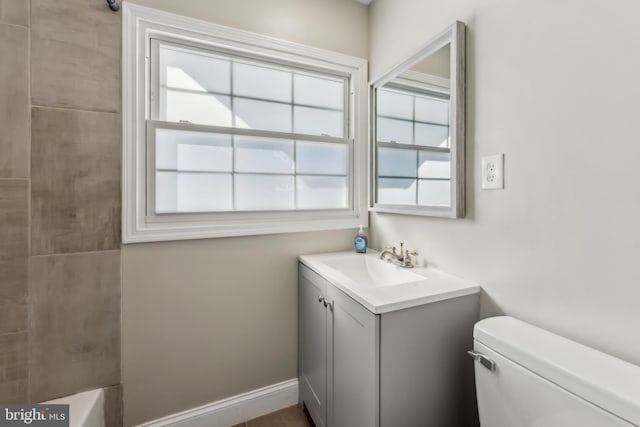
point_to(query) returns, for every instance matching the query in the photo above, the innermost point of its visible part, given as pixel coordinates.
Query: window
(413, 146)
(230, 133)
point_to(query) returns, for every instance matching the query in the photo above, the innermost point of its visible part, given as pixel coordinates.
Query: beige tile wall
(75, 181)
(59, 201)
(14, 102)
(15, 12)
(14, 199)
(75, 323)
(13, 372)
(75, 55)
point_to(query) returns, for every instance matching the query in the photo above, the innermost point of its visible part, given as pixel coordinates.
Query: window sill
(158, 232)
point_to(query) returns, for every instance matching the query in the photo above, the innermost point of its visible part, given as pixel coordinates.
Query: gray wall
(59, 200)
(205, 320)
(553, 85)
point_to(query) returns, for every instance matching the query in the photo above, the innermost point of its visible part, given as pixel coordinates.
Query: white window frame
(140, 25)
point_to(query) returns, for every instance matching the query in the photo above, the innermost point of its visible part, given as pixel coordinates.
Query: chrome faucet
(402, 259)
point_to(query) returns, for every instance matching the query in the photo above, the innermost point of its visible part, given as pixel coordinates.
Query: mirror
(418, 131)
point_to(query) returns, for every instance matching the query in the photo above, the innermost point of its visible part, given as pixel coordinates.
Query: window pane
(264, 192)
(434, 165)
(192, 192)
(394, 104)
(313, 121)
(261, 82)
(432, 110)
(434, 193)
(262, 115)
(318, 92)
(432, 135)
(192, 151)
(263, 155)
(192, 71)
(397, 191)
(397, 162)
(391, 130)
(322, 158)
(322, 192)
(205, 109)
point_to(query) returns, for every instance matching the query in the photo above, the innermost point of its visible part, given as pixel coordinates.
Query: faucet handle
(413, 257)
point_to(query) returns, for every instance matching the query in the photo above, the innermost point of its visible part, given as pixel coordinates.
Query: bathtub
(86, 409)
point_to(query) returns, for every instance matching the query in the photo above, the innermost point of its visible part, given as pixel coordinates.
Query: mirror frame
(454, 35)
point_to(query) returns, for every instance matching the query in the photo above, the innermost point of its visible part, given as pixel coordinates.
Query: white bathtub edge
(86, 409)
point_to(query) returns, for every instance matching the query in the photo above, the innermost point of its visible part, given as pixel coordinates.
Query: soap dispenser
(361, 241)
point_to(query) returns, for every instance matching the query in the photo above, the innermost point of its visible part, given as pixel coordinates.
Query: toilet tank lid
(605, 381)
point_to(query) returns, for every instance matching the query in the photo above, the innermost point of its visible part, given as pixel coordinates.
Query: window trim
(140, 25)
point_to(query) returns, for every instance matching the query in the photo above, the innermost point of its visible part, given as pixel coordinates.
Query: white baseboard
(236, 409)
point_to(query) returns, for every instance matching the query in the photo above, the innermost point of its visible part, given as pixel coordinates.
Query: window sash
(153, 125)
(157, 42)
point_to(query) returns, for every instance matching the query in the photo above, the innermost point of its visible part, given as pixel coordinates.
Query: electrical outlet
(493, 172)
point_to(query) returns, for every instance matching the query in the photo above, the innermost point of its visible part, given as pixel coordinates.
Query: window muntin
(413, 147)
(232, 134)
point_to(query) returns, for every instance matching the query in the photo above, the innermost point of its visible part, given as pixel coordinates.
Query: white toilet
(528, 377)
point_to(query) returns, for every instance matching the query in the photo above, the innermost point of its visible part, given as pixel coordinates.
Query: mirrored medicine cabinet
(417, 131)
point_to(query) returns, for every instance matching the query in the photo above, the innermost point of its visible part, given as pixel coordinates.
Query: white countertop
(431, 286)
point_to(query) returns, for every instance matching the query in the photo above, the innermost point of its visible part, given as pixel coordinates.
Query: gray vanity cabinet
(338, 357)
(403, 368)
(312, 344)
(352, 366)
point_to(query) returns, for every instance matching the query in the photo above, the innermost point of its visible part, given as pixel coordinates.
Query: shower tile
(13, 316)
(13, 367)
(113, 406)
(14, 102)
(75, 323)
(75, 184)
(75, 55)
(15, 12)
(14, 239)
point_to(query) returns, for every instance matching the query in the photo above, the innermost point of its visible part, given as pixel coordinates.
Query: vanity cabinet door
(313, 344)
(353, 381)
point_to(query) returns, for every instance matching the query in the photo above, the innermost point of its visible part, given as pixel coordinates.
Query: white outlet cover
(493, 172)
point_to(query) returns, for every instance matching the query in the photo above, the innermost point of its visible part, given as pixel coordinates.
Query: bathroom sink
(370, 271)
(382, 287)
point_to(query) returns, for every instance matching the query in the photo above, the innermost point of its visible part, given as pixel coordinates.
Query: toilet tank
(543, 380)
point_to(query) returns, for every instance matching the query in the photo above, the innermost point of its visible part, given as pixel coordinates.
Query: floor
(293, 416)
